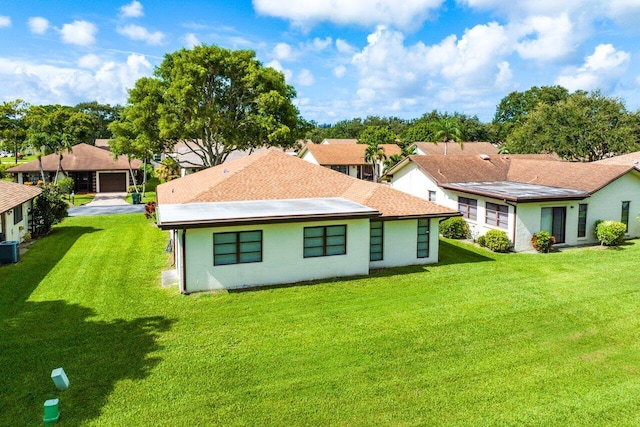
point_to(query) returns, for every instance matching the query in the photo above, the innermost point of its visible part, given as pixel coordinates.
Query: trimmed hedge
(454, 228)
(497, 241)
(610, 233)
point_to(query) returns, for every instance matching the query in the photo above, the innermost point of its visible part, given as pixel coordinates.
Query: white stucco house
(271, 218)
(346, 158)
(16, 201)
(524, 194)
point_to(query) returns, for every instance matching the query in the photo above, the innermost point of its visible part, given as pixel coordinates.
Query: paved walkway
(108, 199)
(106, 204)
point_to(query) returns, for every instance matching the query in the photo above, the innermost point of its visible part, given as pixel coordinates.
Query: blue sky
(346, 58)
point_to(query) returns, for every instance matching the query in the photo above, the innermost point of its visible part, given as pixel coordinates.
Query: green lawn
(480, 339)
(81, 199)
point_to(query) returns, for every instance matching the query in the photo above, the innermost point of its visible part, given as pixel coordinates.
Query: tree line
(216, 101)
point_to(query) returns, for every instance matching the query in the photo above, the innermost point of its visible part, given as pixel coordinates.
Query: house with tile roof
(270, 218)
(345, 158)
(525, 194)
(16, 201)
(93, 169)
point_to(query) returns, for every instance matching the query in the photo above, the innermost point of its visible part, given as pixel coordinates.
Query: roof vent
(485, 157)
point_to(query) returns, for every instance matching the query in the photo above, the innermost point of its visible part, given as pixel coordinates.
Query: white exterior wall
(607, 203)
(411, 180)
(400, 244)
(19, 230)
(282, 257)
(309, 158)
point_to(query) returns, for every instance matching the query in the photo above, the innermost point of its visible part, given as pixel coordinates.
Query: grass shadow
(453, 252)
(38, 337)
(18, 281)
(94, 354)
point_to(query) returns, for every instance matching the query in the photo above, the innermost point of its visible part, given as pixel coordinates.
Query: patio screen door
(553, 221)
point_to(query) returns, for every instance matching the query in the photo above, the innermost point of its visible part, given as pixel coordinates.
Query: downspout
(515, 222)
(184, 262)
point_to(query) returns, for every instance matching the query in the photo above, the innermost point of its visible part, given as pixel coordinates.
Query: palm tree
(448, 129)
(374, 154)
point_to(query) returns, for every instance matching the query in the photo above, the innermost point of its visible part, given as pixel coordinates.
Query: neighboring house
(452, 148)
(523, 195)
(271, 218)
(16, 201)
(190, 162)
(93, 169)
(345, 158)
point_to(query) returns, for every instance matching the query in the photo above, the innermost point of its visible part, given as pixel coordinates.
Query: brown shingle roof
(454, 149)
(83, 157)
(338, 154)
(272, 175)
(12, 195)
(629, 159)
(340, 141)
(588, 177)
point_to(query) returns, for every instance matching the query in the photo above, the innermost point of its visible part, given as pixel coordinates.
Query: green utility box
(136, 198)
(51, 412)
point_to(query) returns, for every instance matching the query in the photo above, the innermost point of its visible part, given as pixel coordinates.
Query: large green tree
(13, 126)
(101, 115)
(136, 134)
(218, 101)
(448, 129)
(514, 108)
(585, 127)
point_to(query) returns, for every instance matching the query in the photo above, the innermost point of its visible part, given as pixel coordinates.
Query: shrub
(497, 241)
(454, 228)
(65, 185)
(134, 189)
(543, 241)
(596, 223)
(48, 209)
(611, 233)
(482, 241)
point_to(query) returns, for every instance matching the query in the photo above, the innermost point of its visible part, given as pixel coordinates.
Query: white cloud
(5, 21)
(277, 66)
(599, 71)
(132, 10)
(466, 67)
(90, 61)
(344, 47)
(321, 44)
(38, 25)
(556, 37)
(39, 83)
(138, 33)
(283, 52)
(339, 71)
(504, 76)
(401, 14)
(81, 33)
(305, 78)
(190, 40)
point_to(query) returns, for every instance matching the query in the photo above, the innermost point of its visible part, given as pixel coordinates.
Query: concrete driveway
(106, 204)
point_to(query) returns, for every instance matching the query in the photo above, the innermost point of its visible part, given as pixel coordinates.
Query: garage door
(113, 182)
